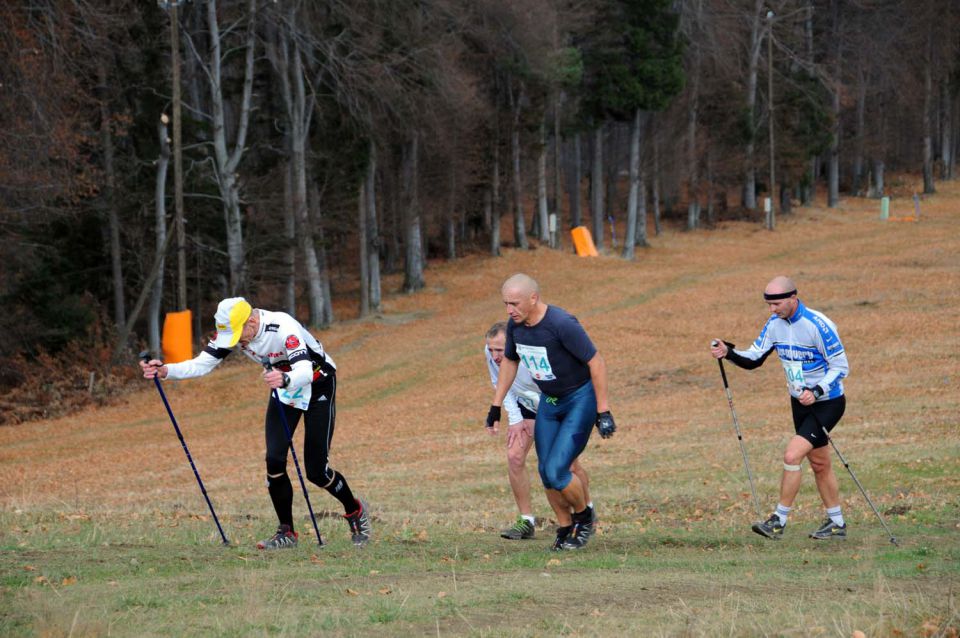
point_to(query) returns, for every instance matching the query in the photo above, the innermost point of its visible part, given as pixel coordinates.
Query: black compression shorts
(809, 419)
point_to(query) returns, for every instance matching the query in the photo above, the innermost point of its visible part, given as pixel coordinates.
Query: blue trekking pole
(283, 419)
(145, 356)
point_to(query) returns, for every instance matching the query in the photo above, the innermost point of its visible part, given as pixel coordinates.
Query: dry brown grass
(413, 393)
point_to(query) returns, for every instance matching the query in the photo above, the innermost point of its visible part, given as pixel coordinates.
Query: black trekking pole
(862, 491)
(736, 427)
(283, 419)
(145, 356)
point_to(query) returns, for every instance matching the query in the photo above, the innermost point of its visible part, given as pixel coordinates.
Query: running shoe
(829, 530)
(520, 530)
(579, 535)
(771, 528)
(359, 523)
(562, 534)
(282, 539)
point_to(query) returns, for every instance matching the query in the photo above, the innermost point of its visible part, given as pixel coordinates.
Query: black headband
(779, 295)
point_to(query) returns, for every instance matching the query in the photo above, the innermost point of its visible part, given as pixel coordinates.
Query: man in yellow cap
(305, 379)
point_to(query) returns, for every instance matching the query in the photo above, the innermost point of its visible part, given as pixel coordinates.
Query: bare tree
(227, 156)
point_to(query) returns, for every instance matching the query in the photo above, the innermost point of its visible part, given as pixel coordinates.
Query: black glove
(493, 415)
(605, 425)
(816, 390)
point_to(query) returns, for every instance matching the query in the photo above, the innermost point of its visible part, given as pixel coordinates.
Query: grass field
(104, 532)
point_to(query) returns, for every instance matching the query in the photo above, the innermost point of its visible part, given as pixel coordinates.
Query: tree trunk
(519, 223)
(290, 242)
(629, 238)
(785, 203)
(227, 161)
(612, 168)
(494, 193)
(753, 63)
(363, 242)
(596, 175)
(413, 254)
(573, 189)
(113, 220)
(711, 190)
(928, 186)
(656, 183)
(693, 173)
(946, 130)
(858, 149)
(557, 158)
(373, 233)
(449, 218)
(833, 168)
(319, 249)
(878, 178)
(392, 190)
(160, 225)
(542, 210)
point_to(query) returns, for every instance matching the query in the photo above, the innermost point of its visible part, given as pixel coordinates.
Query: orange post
(583, 242)
(177, 341)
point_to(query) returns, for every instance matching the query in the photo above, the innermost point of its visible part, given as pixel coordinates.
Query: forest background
(316, 156)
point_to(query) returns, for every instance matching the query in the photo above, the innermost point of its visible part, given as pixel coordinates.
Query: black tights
(319, 421)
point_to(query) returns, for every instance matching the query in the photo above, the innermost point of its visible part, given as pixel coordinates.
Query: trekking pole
(736, 427)
(862, 491)
(283, 419)
(145, 356)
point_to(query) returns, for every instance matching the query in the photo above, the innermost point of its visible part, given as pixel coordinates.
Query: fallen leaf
(352, 592)
(553, 561)
(442, 594)
(40, 579)
(596, 613)
(29, 568)
(374, 572)
(422, 536)
(858, 634)
(69, 580)
(316, 559)
(385, 590)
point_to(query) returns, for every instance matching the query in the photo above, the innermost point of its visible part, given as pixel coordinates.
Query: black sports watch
(286, 380)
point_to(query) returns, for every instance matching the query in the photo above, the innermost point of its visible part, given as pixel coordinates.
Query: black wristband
(286, 380)
(493, 415)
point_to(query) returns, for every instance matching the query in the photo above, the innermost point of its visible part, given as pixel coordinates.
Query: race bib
(794, 372)
(298, 398)
(534, 359)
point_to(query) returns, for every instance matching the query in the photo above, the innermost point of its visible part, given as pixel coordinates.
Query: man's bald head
(780, 285)
(521, 283)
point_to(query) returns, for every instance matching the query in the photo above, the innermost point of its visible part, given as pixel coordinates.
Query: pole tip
(895, 542)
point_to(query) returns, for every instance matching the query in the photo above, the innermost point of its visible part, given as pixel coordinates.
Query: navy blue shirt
(555, 351)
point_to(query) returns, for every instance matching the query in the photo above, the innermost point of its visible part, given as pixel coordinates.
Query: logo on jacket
(291, 342)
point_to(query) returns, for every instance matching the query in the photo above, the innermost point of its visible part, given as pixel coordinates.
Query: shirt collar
(799, 313)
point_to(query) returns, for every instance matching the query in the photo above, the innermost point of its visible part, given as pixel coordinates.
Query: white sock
(835, 515)
(782, 512)
(530, 519)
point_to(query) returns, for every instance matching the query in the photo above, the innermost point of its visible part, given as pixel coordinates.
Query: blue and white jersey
(809, 348)
(523, 391)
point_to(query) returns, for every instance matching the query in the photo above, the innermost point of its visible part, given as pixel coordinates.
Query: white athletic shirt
(523, 391)
(290, 347)
(809, 348)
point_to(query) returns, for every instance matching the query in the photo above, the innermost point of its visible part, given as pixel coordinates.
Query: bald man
(815, 364)
(554, 348)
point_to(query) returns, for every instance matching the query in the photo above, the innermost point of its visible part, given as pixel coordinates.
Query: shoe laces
(520, 524)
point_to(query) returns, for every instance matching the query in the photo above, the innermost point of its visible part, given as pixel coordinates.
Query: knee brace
(791, 468)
